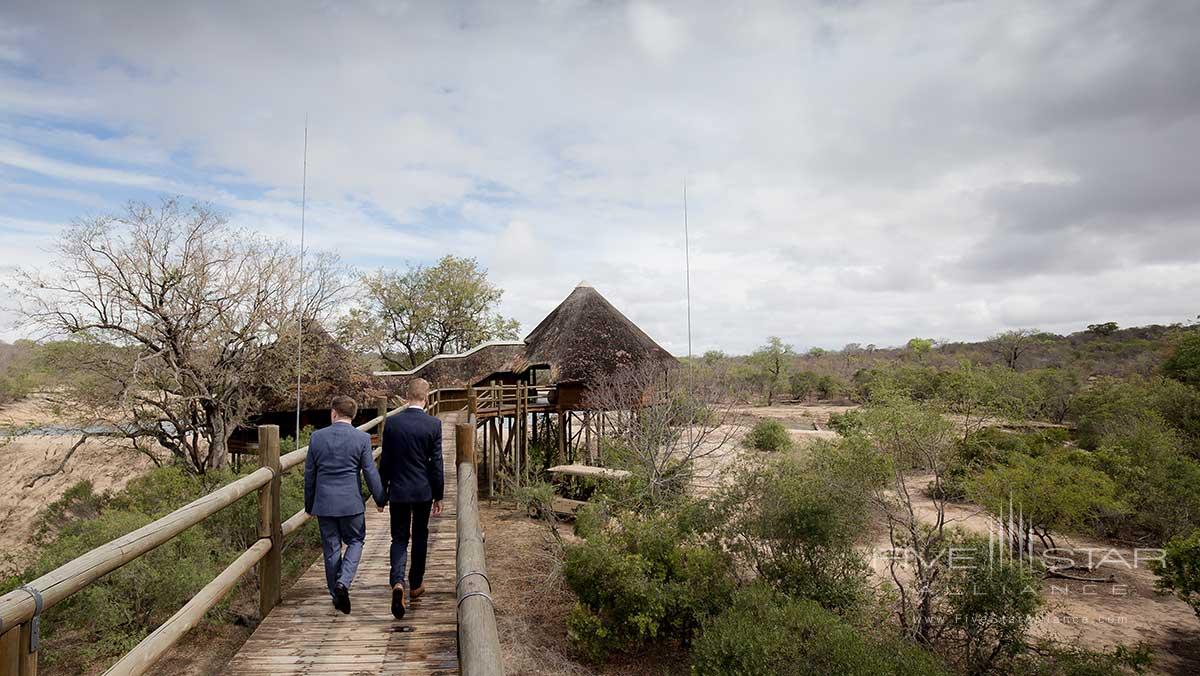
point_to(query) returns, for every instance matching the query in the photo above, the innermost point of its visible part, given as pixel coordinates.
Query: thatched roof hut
(581, 342)
(327, 369)
(586, 339)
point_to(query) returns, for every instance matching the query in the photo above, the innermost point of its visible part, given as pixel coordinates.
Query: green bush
(110, 616)
(846, 423)
(1053, 659)
(1155, 477)
(1056, 493)
(536, 499)
(1111, 406)
(796, 522)
(991, 604)
(1179, 571)
(646, 578)
(764, 632)
(770, 436)
(1184, 363)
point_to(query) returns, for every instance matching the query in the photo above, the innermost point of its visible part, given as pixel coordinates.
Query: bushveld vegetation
(779, 548)
(109, 617)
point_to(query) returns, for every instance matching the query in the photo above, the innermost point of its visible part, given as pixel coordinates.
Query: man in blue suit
(411, 466)
(337, 456)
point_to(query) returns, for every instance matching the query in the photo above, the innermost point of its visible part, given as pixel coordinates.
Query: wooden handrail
(478, 639)
(17, 608)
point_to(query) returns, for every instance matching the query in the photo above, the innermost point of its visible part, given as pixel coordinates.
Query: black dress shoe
(398, 605)
(341, 598)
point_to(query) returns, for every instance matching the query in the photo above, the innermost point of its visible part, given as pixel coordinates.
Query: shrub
(111, 615)
(846, 423)
(645, 578)
(795, 522)
(1112, 406)
(1179, 571)
(991, 603)
(536, 499)
(1184, 363)
(1052, 659)
(764, 632)
(1055, 493)
(770, 436)
(1158, 480)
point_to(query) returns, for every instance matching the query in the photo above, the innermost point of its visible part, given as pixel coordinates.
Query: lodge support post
(269, 525)
(562, 438)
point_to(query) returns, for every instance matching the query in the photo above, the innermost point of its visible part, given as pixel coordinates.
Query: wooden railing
(20, 609)
(478, 639)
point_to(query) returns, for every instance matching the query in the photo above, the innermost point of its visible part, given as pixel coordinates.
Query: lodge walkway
(306, 635)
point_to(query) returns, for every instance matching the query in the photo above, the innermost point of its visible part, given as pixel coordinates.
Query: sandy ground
(108, 463)
(1094, 615)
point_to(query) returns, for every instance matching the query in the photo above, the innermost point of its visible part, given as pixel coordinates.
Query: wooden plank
(304, 634)
(589, 471)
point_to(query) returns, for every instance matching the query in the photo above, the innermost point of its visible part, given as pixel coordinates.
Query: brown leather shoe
(399, 603)
(416, 593)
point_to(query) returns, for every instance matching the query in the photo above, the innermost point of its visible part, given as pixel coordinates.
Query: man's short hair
(418, 389)
(345, 406)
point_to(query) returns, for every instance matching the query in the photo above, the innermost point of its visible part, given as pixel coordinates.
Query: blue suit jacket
(337, 456)
(411, 463)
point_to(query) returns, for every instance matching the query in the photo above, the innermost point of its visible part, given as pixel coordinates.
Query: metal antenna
(687, 264)
(300, 303)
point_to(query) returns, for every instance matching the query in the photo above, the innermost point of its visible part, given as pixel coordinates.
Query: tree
(899, 437)
(1011, 345)
(665, 428)
(1184, 363)
(1105, 329)
(1179, 571)
(406, 318)
(176, 319)
(1052, 493)
(919, 347)
(773, 362)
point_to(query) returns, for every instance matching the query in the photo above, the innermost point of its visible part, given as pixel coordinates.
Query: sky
(856, 171)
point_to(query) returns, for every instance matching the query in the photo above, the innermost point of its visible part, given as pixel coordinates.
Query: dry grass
(532, 603)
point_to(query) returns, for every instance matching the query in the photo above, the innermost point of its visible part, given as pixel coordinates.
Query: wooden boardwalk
(305, 635)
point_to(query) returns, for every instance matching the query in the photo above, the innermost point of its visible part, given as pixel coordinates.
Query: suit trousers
(408, 516)
(337, 531)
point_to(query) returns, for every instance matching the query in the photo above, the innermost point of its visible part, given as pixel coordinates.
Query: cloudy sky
(856, 171)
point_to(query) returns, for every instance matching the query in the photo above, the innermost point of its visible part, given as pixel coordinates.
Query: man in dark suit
(411, 467)
(338, 456)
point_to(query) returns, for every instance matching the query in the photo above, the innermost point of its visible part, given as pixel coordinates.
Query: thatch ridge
(586, 338)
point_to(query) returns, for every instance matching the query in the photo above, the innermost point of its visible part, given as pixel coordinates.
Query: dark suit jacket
(411, 464)
(337, 456)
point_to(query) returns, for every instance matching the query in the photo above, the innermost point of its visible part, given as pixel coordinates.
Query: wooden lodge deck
(305, 635)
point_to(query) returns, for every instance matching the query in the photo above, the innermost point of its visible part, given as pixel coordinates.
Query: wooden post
(562, 439)
(269, 568)
(10, 652)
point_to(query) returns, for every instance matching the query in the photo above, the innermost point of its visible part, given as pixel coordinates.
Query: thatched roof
(585, 339)
(465, 369)
(327, 368)
(582, 340)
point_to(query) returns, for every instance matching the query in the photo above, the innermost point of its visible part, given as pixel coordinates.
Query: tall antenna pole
(300, 302)
(687, 264)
